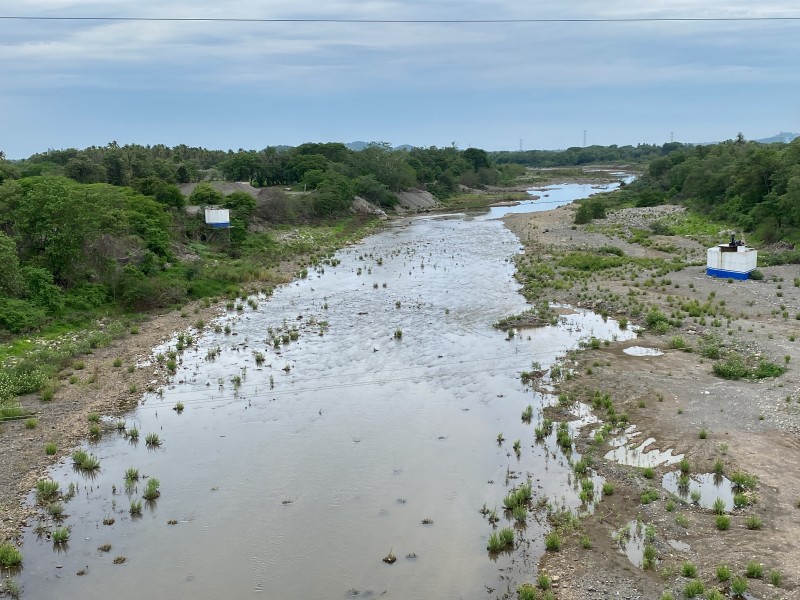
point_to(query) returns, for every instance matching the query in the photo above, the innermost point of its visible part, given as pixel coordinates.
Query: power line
(405, 21)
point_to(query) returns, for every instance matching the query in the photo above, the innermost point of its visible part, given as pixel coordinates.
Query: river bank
(726, 425)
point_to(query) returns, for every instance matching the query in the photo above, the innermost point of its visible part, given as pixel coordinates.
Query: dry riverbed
(675, 398)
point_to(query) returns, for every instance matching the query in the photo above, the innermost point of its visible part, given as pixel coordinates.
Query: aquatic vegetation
(46, 489)
(9, 555)
(60, 535)
(151, 491)
(500, 540)
(136, 507)
(152, 439)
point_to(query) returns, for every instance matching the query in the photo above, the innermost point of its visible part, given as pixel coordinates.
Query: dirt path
(750, 426)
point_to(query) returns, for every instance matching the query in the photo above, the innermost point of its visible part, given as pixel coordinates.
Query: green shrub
(723, 572)
(739, 585)
(754, 570)
(9, 555)
(552, 542)
(694, 588)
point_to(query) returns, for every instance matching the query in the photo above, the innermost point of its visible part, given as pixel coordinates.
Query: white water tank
(732, 261)
(218, 218)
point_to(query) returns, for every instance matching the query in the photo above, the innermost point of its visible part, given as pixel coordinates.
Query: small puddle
(703, 489)
(642, 351)
(626, 452)
(632, 540)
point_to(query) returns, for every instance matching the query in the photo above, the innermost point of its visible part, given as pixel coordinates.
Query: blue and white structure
(218, 218)
(731, 261)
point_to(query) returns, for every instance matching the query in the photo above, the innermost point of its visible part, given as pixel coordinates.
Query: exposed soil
(751, 426)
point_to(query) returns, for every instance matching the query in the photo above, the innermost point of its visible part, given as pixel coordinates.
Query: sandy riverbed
(751, 426)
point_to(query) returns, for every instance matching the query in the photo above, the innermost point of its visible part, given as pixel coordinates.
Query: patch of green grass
(723, 573)
(60, 535)
(649, 496)
(527, 591)
(151, 491)
(743, 481)
(501, 540)
(683, 521)
(688, 569)
(723, 522)
(152, 440)
(649, 556)
(552, 542)
(31, 423)
(50, 449)
(775, 578)
(739, 586)
(46, 489)
(719, 506)
(754, 570)
(753, 522)
(9, 555)
(136, 507)
(694, 588)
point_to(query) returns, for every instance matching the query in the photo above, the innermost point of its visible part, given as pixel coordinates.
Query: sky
(497, 86)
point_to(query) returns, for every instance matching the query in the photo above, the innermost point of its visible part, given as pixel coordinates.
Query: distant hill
(783, 137)
(358, 146)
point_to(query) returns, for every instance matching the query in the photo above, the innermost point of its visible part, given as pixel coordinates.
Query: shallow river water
(297, 479)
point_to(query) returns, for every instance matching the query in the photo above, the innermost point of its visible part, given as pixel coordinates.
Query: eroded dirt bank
(750, 426)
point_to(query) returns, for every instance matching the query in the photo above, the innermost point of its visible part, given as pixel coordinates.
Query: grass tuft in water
(500, 540)
(151, 491)
(46, 489)
(60, 535)
(152, 439)
(136, 507)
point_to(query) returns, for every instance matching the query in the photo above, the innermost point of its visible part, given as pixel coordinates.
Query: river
(295, 477)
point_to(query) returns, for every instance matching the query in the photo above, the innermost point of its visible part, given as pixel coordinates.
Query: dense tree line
(106, 226)
(753, 186)
(577, 156)
(376, 172)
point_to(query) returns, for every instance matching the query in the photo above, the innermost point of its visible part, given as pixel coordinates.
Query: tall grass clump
(9, 555)
(151, 491)
(46, 489)
(60, 535)
(500, 540)
(136, 507)
(552, 542)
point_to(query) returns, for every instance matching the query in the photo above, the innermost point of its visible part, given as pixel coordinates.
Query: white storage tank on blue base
(732, 261)
(218, 218)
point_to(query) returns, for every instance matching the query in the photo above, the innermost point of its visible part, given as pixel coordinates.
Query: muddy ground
(750, 426)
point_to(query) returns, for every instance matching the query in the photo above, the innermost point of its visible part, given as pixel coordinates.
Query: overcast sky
(251, 85)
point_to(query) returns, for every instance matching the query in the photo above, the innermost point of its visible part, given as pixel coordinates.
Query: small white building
(218, 218)
(732, 261)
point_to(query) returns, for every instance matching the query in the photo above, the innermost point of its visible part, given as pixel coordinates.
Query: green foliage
(501, 540)
(552, 541)
(588, 210)
(9, 555)
(735, 366)
(754, 570)
(694, 588)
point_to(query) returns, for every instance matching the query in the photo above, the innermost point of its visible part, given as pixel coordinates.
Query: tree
(205, 195)
(10, 281)
(334, 196)
(477, 158)
(83, 170)
(242, 166)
